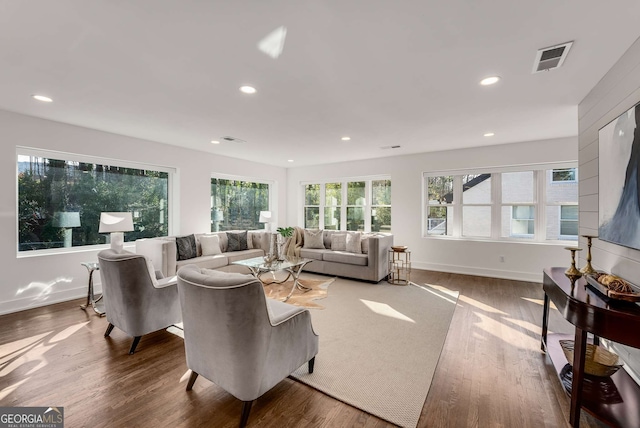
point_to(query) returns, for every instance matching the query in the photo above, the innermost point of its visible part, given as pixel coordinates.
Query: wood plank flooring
(491, 372)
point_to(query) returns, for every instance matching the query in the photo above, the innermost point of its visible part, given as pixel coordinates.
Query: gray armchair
(237, 338)
(135, 300)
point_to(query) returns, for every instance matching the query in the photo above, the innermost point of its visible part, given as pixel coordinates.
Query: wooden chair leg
(311, 364)
(109, 328)
(246, 408)
(192, 380)
(136, 340)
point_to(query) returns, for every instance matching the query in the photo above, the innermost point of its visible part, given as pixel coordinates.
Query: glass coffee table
(293, 266)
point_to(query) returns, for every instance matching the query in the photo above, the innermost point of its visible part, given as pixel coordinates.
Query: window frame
(172, 209)
(539, 202)
(367, 207)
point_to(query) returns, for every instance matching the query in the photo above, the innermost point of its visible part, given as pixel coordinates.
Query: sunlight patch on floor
(67, 332)
(442, 293)
(525, 324)
(504, 332)
(8, 349)
(386, 310)
(539, 302)
(480, 305)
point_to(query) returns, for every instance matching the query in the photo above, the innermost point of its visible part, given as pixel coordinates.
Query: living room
(45, 278)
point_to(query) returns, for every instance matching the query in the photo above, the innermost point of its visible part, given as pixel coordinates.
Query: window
(236, 204)
(381, 206)
(60, 199)
(312, 206)
(508, 203)
(440, 205)
(359, 205)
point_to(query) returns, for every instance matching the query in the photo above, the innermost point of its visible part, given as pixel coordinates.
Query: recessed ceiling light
(248, 89)
(290, 160)
(215, 142)
(42, 98)
(346, 138)
(489, 80)
(489, 134)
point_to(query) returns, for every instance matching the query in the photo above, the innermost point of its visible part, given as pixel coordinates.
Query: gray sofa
(369, 265)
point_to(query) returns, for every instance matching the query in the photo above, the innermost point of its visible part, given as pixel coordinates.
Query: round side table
(399, 267)
(96, 304)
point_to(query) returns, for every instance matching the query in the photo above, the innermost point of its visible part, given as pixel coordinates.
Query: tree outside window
(236, 204)
(53, 191)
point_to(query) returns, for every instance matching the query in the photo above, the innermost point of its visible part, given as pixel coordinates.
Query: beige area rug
(319, 290)
(379, 346)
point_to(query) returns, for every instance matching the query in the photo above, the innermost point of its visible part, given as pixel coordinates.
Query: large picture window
(236, 204)
(60, 200)
(357, 204)
(509, 203)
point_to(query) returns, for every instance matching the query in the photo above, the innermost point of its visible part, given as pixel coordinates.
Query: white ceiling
(385, 73)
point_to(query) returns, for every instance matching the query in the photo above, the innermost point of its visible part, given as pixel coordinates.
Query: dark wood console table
(614, 400)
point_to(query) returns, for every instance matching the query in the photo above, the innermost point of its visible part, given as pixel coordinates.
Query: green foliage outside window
(47, 187)
(236, 204)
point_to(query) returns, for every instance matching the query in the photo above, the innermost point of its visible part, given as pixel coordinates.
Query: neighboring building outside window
(236, 204)
(512, 203)
(356, 204)
(61, 196)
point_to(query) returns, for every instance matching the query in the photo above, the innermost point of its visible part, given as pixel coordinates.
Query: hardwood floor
(491, 372)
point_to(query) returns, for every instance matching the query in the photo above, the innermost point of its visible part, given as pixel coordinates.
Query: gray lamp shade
(115, 222)
(66, 219)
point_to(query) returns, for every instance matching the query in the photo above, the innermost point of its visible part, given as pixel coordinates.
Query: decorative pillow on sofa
(364, 240)
(186, 247)
(237, 241)
(210, 245)
(353, 243)
(313, 239)
(339, 242)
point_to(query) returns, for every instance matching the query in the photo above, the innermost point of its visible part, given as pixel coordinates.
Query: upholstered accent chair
(237, 338)
(136, 301)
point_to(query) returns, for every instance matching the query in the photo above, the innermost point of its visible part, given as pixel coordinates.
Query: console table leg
(579, 349)
(545, 323)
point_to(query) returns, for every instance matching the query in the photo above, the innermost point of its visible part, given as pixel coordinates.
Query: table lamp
(265, 217)
(116, 224)
(66, 220)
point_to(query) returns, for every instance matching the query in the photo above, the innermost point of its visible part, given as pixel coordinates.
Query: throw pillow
(210, 245)
(186, 247)
(364, 240)
(313, 239)
(339, 242)
(353, 243)
(237, 241)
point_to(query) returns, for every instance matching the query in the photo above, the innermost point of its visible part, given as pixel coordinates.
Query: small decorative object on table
(573, 273)
(399, 265)
(597, 360)
(285, 233)
(612, 287)
(588, 269)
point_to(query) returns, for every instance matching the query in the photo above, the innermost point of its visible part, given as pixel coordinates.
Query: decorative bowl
(399, 248)
(597, 360)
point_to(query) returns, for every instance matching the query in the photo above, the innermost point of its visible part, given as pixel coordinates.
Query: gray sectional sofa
(369, 265)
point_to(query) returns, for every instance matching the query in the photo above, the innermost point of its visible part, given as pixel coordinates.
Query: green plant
(286, 232)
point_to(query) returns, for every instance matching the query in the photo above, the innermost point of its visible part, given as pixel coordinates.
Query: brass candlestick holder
(573, 273)
(588, 269)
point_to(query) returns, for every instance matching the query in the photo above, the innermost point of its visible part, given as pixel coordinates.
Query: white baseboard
(491, 273)
(31, 302)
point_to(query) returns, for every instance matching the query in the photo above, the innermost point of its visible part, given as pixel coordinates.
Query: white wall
(618, 91)
(38, 280)
(522, 260)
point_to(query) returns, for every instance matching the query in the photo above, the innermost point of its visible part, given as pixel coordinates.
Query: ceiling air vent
(232, 139)
(389, 147)
(551, 57)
